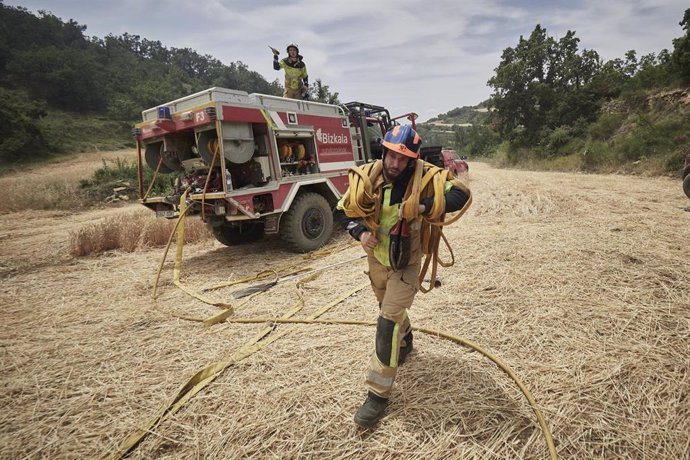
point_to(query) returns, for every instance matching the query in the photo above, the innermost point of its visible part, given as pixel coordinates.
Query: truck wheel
(686, 185)
(308, 224)
(242, 233)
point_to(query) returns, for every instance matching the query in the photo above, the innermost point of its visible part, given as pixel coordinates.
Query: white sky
(426, 56)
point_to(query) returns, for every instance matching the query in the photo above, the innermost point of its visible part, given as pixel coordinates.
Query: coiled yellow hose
(363, 201)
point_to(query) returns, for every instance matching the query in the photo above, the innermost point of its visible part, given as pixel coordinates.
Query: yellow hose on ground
(209, 373)
(205, 376)
(467, 343)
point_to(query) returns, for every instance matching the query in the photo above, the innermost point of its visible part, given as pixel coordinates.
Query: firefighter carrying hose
(296, 78)
(394, 248)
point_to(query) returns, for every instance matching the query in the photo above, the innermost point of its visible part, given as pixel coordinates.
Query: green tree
(48, 66)
(542, 84)
(65, 77)
(653, 71)
(519, 84)
(320, 92)
(680, 57)
(20, 134)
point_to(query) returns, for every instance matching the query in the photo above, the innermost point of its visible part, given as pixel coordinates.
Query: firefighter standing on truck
(296, 78)
(394, 268)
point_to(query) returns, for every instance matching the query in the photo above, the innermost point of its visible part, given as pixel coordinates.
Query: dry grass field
(53, 185)
(580, 283)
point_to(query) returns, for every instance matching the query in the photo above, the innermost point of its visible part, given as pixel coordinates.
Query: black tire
(239, 233)
(308, 224)
(686, 185)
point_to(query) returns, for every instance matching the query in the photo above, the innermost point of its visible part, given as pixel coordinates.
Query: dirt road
(581, 283)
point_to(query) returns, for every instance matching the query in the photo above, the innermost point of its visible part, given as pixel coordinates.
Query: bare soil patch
(579, 282)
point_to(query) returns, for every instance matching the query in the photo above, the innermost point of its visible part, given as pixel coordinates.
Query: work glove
(428, 204)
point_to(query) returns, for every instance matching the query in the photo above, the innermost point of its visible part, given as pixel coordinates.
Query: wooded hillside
(553, 105)
(553, 101)
(51, 71)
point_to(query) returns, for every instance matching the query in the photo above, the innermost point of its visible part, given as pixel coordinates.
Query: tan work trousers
(395, 291)
(292, 93)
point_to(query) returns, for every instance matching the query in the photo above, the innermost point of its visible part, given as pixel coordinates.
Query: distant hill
(462, 116)
(455, 128)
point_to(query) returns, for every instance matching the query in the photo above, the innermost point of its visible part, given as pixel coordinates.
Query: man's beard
(391, 175)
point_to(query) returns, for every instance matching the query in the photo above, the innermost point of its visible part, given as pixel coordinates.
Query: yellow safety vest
(293, 75)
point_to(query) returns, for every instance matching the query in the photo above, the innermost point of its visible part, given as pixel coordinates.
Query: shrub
(605, 126)
(648, 139)
(675, 161)
(20, 133)
(106, 178)
(597, 154)
(132, 232)
(557, 139)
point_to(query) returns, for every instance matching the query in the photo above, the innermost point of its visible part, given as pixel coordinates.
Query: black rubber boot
(371, 411)
(406, 350)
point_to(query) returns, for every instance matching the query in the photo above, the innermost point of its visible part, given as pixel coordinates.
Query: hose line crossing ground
(264, 338)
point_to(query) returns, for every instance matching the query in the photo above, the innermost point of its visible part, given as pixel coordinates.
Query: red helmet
(403, 139)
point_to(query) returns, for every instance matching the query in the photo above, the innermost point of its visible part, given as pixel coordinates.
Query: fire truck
(254, 164)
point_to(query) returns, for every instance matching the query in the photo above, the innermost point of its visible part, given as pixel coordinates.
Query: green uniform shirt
(293, 76)
(387, 219)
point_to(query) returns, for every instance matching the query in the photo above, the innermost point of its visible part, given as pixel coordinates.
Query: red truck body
(454, 162)
(255, 164)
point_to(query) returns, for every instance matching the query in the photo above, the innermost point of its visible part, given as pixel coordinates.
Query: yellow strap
(209, 373)
(410, 205)
(363, 197)
(178, 262)
(180, 237)
(153, 180)
(268, 119)
(214, 146)
(179, 228)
